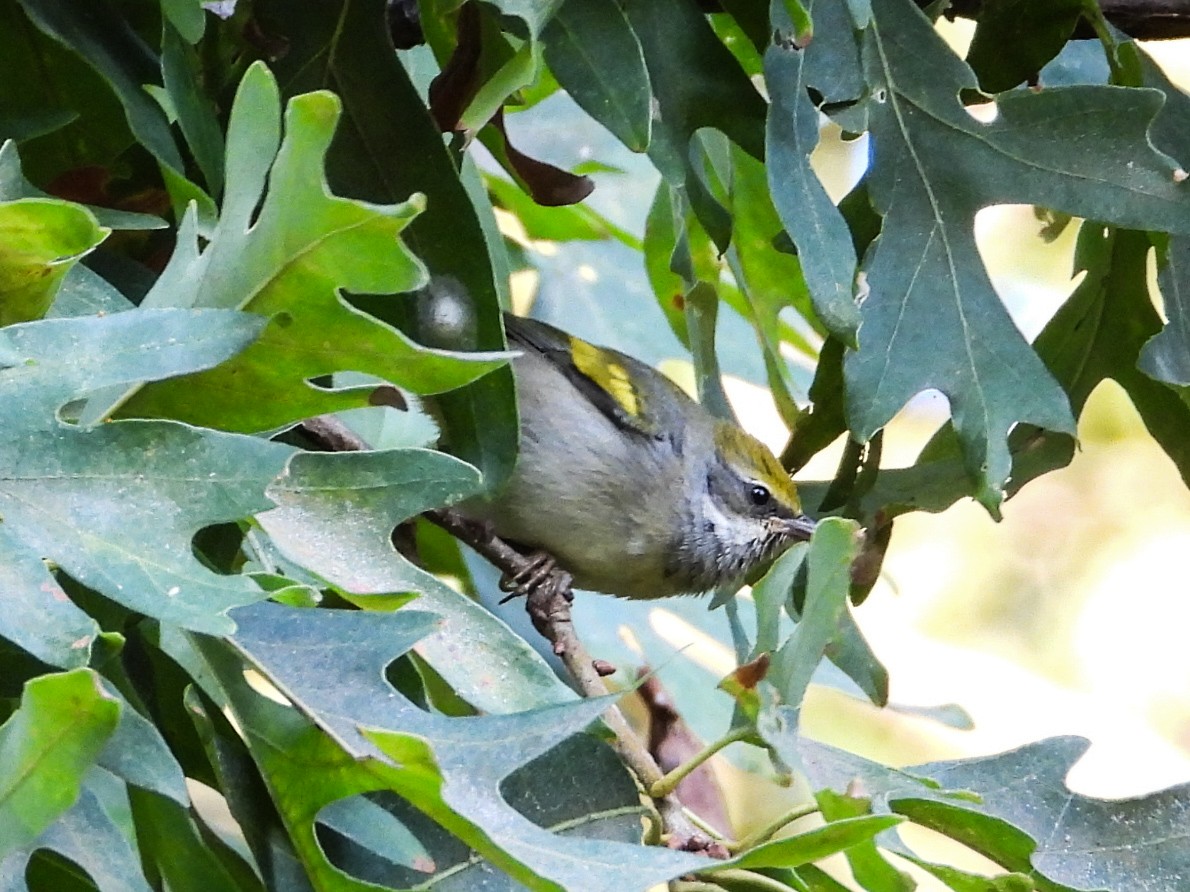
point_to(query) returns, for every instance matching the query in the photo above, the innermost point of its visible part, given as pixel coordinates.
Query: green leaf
(592, 50)
(1075, 840)
(369, 825)
(237, 778)
(40, 240)
(116, 507)
(451, 768)
(869, 867)
(696, 83)
(86, 293)
(1166, 356)
(964, 881)
(181, 74)
(800, 20)
(87, 836)
(186, 16)
(536, 14)
(668, 636)
(38, 616)
(770, 280)
(188, 856)
(825, 250)
(931, 318)
(387, 148)
(1015, 809)
(558, 224)
(821, 842)
(488, 666)
(46, 747)
(832, 548)
(66, 116)
(1102, 328)
(823, 422)
(850, 652)
(600, 802)
(1016, 38)
(138, 754)
(770, 595)
(289, 262)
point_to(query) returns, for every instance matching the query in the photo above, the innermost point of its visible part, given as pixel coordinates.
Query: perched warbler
(629, 484)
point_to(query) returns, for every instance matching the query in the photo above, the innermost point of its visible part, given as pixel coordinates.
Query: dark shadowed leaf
(1166, 356)
(104, 39)
(696, 83)
(386, 149)
(935, 166)
(181, 73)
(1016, 38)
(13, 185)
(85, 835)
(592, 50)
(189, 856)
(1100, 332)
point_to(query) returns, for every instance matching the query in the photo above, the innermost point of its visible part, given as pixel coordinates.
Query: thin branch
(1141, 19)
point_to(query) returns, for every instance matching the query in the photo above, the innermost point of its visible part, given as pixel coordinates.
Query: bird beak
(801, 528)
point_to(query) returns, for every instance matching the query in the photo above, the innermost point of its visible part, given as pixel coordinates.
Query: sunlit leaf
(40, 240)
(289, 262)
(46, 747)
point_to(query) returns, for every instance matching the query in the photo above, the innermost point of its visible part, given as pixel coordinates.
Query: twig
(667, 784)
(549, 607)
(1141, 19)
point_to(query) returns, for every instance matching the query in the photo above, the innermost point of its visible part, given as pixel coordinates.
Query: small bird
(632, 487)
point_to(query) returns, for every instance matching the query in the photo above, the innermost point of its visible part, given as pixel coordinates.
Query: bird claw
(540, 576)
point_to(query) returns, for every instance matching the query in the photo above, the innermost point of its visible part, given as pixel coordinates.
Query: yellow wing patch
(608, 374)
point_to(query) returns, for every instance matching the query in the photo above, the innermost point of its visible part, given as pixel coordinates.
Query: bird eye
(759, 495)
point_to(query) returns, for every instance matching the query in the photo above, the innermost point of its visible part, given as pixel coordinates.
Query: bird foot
(539, 577)
(547, 592)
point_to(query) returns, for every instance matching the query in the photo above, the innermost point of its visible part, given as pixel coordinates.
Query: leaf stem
(667, 784)
(768, 830)
(1095, 18)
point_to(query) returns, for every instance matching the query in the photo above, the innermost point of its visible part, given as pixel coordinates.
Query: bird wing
(606, 378)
